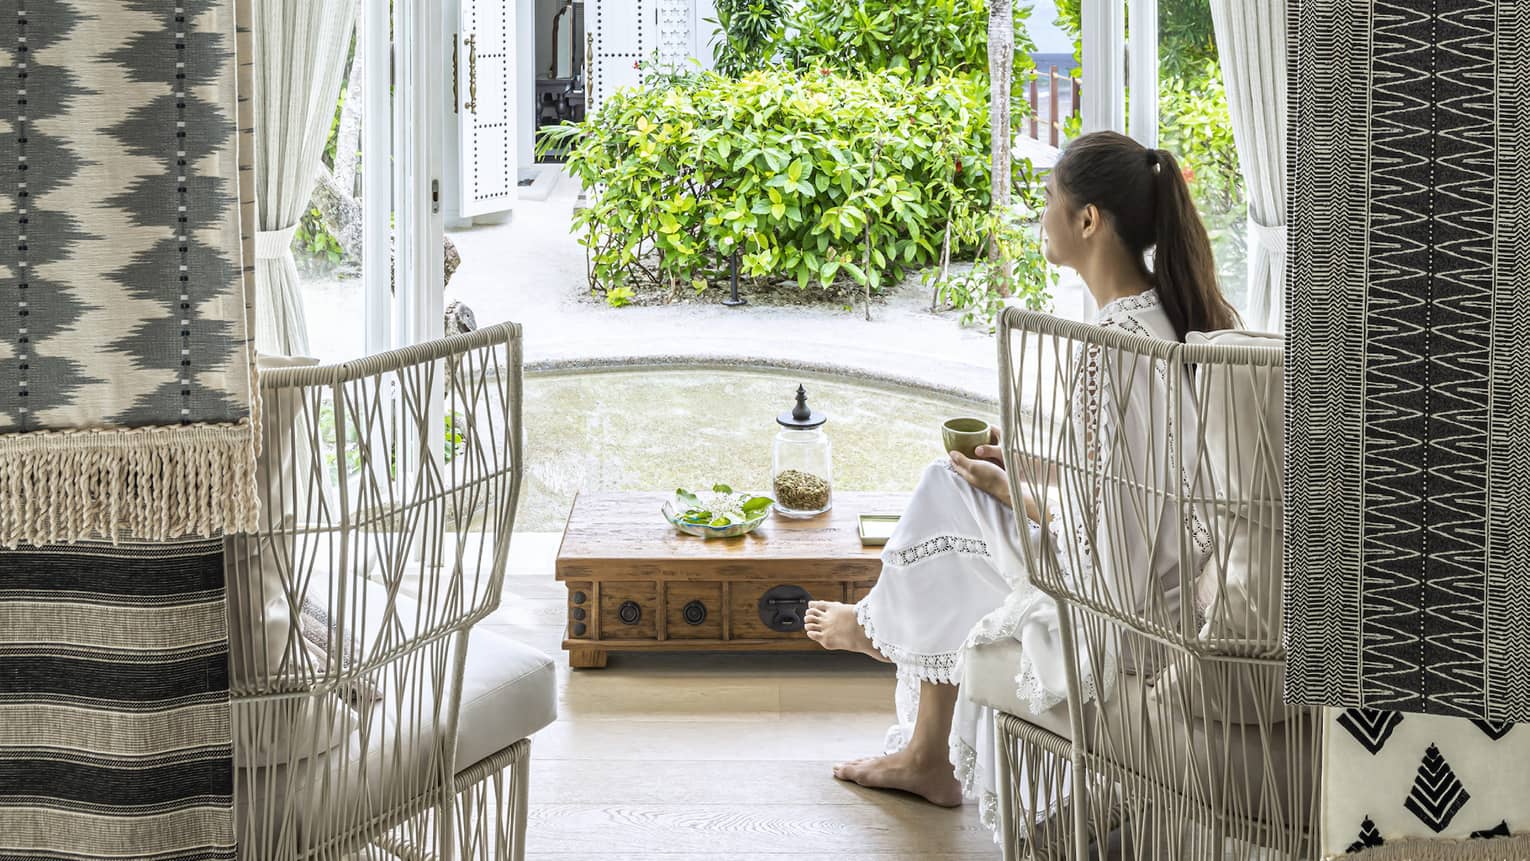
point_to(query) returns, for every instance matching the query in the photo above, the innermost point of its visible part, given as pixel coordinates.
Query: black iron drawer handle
(782, 608)
(694, 613)
(630, 613)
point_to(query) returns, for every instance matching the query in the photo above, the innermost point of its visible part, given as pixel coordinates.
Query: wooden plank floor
(722, 757)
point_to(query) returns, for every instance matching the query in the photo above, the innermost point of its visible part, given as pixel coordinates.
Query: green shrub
(1195, 125)
(314, 246)
(975, 291)
(810, 177)
(930, 38)
(751, 33)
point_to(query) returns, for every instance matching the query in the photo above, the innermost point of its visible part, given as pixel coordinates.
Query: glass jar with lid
(801, 465)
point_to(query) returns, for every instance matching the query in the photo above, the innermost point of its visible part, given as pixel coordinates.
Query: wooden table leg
(587, 658)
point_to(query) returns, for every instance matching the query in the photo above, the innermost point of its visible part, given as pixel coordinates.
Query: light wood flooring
(723, 757)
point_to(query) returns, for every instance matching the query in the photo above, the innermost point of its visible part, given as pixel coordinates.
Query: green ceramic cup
(964, 435)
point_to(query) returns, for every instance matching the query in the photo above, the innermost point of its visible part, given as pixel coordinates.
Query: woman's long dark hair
(1149, 204)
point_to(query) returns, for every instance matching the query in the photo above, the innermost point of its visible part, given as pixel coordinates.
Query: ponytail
(1184, 270)
(1150, 207)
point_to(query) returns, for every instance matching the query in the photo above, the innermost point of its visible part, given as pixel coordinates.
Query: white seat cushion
(988, 679)
(1239, 590)
(1242, 416)
(509, 692)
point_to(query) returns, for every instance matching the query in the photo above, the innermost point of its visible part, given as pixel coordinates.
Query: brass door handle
(472, 102)
(589, 53)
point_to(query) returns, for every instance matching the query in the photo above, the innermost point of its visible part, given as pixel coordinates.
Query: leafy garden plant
(1195, 123)
(930, 39)
(976, 292)
(810, 177)
(317, 244)
(750, 33)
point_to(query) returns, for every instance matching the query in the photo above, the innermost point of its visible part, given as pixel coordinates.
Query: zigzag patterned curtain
(126, 380)
(1408, 369)
(1408, 419)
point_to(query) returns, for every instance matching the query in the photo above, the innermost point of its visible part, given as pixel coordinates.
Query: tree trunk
(1001, 63)
(944, 271)
(348, 135)
(867, 270)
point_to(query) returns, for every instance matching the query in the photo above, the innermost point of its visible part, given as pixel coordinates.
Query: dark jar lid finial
(801, 417)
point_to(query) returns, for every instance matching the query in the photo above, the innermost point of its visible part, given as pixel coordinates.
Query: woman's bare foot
(934, 780)
(833, 625)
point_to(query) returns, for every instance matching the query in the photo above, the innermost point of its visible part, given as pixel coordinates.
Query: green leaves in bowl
(723, 507)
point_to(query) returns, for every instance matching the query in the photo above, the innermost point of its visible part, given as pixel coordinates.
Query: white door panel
(621, 36)
(705, 33)
(486, 106)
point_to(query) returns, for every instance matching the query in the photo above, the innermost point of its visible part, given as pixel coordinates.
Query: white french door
(1117, 56)
(402, 145)
(621, 36)
(485, 67)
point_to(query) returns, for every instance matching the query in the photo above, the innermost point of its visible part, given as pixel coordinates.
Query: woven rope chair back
(1158, 468)
(389, 488)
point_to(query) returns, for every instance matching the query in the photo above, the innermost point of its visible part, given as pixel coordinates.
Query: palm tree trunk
(1001, 62)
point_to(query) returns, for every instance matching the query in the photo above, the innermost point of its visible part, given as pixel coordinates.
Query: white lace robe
(954, 571)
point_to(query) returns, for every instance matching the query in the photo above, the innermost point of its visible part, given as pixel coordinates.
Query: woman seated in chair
(954, 570)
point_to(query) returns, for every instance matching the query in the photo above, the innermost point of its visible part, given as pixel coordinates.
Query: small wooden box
(636, 584)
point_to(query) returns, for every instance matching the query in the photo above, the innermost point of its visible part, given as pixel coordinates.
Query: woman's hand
(985, 475)
(992, 452)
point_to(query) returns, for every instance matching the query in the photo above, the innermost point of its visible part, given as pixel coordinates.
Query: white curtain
(300, 52)
(1251, 39)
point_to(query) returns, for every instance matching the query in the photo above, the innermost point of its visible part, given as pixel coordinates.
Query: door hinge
(435, 195)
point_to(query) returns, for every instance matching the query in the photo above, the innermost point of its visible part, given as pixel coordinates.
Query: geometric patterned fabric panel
(126, 383)
(1421, 787)
(122, 297)
(1408, 358)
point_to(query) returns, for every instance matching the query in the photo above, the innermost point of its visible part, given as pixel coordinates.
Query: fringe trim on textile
(149, 484)
(1513, 848)
(942, 668)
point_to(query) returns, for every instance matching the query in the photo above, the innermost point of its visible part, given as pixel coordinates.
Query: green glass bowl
(673, 512)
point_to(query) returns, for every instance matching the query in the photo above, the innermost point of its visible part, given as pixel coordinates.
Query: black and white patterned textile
(115, 739)
(125, 372)
(1422, 787)
(1408, 376)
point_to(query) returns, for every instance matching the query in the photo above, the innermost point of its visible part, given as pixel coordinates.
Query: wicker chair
(1191, 755)
(369, 719)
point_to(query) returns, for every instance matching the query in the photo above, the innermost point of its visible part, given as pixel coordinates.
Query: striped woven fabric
(114, 704)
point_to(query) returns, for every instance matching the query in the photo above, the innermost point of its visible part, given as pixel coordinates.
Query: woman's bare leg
(924, 767)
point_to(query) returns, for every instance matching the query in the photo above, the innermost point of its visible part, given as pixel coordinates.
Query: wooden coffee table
(635, 584)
